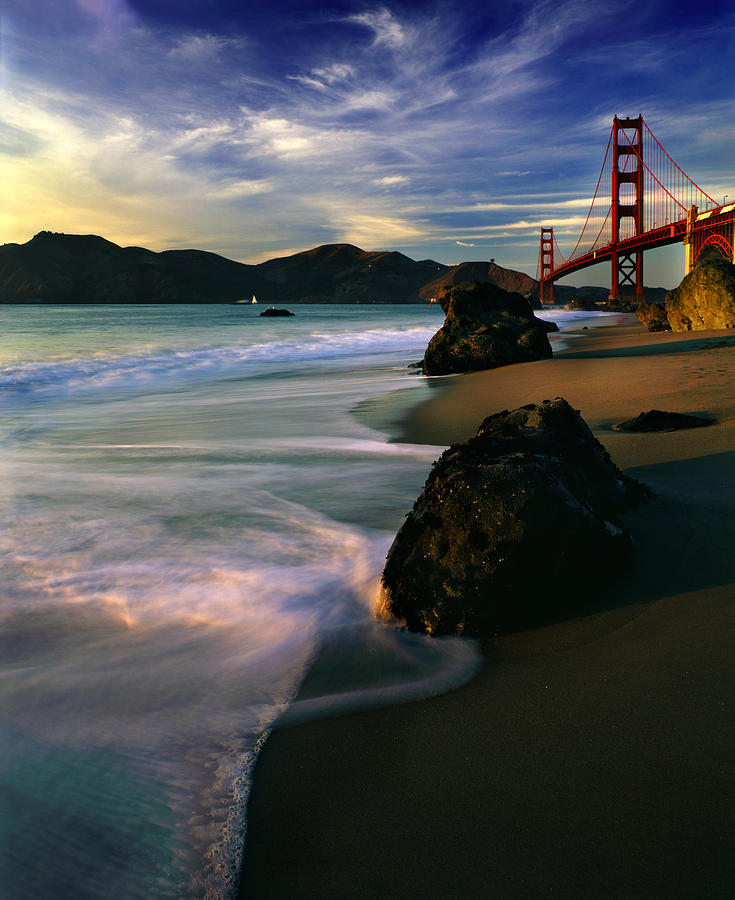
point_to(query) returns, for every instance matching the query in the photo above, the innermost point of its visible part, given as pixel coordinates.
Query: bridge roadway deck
(649, 240)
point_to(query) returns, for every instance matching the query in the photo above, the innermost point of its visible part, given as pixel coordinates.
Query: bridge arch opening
(715, 244)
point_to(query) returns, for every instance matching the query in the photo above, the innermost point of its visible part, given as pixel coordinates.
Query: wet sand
(591, 758)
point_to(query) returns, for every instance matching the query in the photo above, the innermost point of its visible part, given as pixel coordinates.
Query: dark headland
(591, 758)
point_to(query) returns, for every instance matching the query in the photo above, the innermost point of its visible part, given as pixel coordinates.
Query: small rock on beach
(660, 420)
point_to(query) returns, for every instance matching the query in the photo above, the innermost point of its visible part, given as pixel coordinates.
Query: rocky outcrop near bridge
(653, 316)
(705, 299)
(485, 327)
(511, 529)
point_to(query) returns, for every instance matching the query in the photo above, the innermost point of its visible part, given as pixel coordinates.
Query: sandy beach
(590, 758)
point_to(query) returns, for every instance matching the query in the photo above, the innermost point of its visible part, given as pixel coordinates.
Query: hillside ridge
(54, 267)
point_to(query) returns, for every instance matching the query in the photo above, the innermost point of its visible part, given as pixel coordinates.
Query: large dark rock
(513, 528)
(485, 327)
(549, 327)
(705, 299)
(653, 316)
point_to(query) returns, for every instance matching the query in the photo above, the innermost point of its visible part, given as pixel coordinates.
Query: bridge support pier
(688, 258)
(689, 250)
(627, 276)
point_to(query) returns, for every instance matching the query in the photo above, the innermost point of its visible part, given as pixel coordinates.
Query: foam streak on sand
(189, 511)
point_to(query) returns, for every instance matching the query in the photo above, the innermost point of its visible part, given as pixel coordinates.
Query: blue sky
(448, 130)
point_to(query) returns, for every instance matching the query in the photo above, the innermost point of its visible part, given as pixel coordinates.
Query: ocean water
(189, 510)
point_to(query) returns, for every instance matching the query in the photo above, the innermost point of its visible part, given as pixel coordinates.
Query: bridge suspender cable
(678, 169)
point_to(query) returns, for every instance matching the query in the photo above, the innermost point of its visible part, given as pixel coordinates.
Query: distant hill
(342, 273)
(74, 268)
(508, 279)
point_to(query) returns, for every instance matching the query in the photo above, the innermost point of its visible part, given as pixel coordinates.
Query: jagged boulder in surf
(511, 529)
(485, 327)
(705, 299)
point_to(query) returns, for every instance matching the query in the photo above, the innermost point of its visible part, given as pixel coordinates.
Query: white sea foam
(102, 371)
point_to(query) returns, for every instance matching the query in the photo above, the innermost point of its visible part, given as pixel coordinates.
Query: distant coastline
(55, 268)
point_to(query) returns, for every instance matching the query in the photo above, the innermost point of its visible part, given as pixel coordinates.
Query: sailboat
(244, 300)
(253, 300)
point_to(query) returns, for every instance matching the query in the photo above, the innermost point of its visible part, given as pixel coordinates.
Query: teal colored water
(188, 507)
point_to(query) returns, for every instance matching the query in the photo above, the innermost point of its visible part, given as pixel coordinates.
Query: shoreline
(589, 758)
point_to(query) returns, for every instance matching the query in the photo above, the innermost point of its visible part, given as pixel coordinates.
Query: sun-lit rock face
(705, 299)
(513, 528)
(485, 327)
(653, 316)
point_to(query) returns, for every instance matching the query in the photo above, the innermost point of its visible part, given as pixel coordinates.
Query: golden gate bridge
(642, 200)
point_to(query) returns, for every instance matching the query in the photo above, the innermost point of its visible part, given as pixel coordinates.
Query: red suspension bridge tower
(627, 203)
(642, 200)
(546, 261)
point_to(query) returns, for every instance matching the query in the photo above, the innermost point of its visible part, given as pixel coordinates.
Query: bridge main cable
(589, 212)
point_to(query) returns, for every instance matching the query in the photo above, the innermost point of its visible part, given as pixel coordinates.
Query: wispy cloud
(387, 29)
(236, 189)
(112, 17)
(323, 77)
(391, 180)
(196, 47)
(577, 203)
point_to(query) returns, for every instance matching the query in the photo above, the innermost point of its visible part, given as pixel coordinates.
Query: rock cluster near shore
(653, 316)
(485, 327)
(514, 528)
(705, 299)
